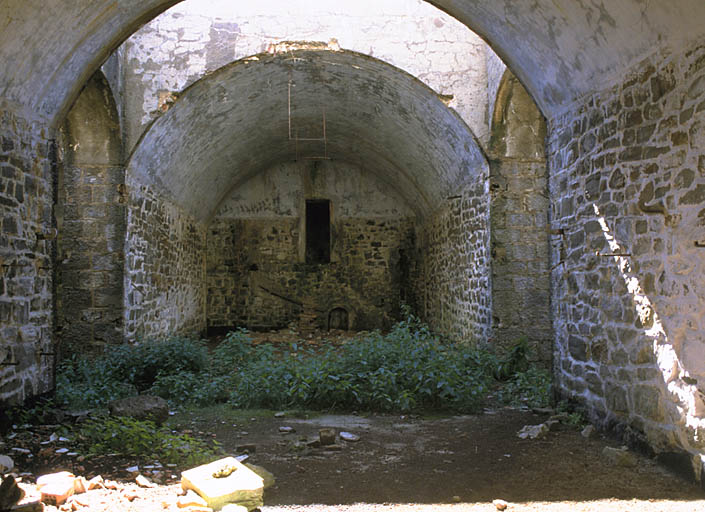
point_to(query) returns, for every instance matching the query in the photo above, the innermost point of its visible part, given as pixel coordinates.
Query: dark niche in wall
(317, 231)
(338, 319)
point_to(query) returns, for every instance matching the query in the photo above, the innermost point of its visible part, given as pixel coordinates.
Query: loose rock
(191, 499)
(144, 482)
(533, 431)
(500, 504)
(619, 457)
(10, 493)
(588, 432)
(327, 436)
(95, 483)
(143, 407)
(349, 437)
(56, 488)
(6, 464)
(80, 485)
(243, 487)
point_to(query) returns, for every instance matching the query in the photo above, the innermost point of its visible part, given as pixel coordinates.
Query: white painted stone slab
(243, 486)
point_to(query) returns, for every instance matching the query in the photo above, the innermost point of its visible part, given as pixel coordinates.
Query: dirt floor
(400, 463)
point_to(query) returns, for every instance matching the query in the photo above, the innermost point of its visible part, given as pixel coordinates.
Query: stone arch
(394, 118)
(338, 318)
(543, 43)
(519, 220)
(378, 119)
(90, 213)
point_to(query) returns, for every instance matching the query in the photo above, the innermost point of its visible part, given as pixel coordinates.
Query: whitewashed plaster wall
(195, 38)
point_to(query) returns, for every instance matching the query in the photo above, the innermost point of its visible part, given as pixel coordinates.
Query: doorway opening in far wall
(318, 231)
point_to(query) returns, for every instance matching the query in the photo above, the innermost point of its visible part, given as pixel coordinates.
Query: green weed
(407, 369)
(130, 437)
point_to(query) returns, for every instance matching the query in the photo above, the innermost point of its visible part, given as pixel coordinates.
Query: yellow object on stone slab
(225, 481)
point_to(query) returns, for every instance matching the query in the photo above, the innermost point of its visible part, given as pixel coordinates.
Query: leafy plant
(531, 388)
(130, 437)
(408, 369)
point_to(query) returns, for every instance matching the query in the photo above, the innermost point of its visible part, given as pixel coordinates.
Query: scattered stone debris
(144, 482)
(242, 486)
(349, 437)
(280, 414)
(621, 457)
(80, 485)
(287, 430)
(500, 504)
(129, 494)
(533, 431)
(95, 483)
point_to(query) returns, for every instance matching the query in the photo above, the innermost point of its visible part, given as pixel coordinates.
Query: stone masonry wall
(92, 233)
(627, 182)
(255, 277)
(450, 279)
(90, 213)
(164, 269)
(26, 233)
(257, 271)
(519, 220)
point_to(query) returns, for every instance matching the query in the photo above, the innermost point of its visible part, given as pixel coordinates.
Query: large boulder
(142, 407)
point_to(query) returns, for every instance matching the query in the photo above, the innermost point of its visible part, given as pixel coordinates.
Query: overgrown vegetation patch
(407, 369)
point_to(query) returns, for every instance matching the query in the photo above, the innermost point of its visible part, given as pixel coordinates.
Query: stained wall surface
(450, 274)
(258, 275)
(90, 216)
(519, 223)
(627, 183)
(164, 268)
(27, 347)
(192, 39)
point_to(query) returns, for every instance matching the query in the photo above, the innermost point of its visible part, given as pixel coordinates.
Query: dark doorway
(318, 231)
(338, 319)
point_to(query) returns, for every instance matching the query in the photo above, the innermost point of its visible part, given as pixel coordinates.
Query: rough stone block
(619, 457)
(225, 481)
(10, 493)
(56, 488)
(143, 407)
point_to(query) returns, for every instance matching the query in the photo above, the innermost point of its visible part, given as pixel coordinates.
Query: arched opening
(621, 87)
(391, 187)
(338, 319)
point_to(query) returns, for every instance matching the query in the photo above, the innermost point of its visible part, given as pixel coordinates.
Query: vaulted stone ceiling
(560, 49)
(236, 122)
